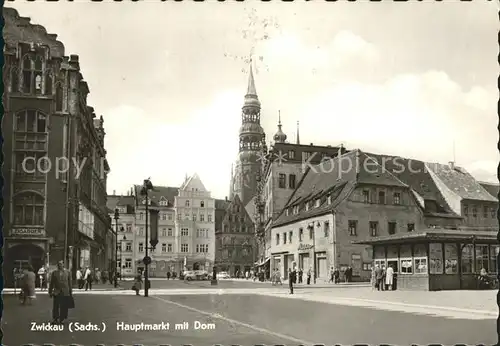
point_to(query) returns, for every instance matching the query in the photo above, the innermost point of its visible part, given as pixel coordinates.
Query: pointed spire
(279, 118)
(251, 82)
(280, 136)
(298, 136)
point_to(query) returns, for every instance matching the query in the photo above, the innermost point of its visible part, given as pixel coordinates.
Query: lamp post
(313, 234)
(147, 185)
(117, 217)
(121, 264)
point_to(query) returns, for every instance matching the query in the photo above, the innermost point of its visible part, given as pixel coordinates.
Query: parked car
(222, 275)
(196, 275)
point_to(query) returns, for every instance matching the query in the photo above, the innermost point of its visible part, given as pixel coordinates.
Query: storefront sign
(304, 247)
(27, 232)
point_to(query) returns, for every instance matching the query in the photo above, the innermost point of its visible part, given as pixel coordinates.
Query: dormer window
(307, 206)
(318, 203)
(329, 200)
(287, 212)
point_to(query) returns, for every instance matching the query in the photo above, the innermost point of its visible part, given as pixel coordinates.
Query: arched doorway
(20, 256)
(196, 266)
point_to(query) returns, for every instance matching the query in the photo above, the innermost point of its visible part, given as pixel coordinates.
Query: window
(397, 198)
(29, 209)
(194, 217)
(29, 72)
(141, 216)
(169, 232)
(290, 235)
(474, 211)
(306, 155)
(482, 258)
(380, 263)
(31, 165)
(353, 227)
(31, 121)
(169, 217)
(179, 216)
(381, 197)
(326, 229)
(163, 203)
(169, 247)
(411, 227)
(291, 181)
(282, 181)
(141, 247)
(420, 265)
(466, 210)
(467, 259)
(201, 248)
(186, 216)
(164, 247)
(301, 234)
(493, 212)
(184, 248)
(277, 239)
(128, 263)
(291, 154)
(128, 246)
(485, 212)
(209, 216)
(284, 237)
(163, 216)
(406, 266)
(317, 203)
(391, 227)
(129, 228)
(311, 230)
(367, 267)
(493, 258)
(119, 264)
(373, 228)
(202, 204)
(164, 232)
(186, 204)
(184, 232)
(451, 258)
(141, 231)
(366, 196)
(202, 218)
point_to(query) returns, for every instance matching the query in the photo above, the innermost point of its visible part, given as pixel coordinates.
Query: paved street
(240, 319)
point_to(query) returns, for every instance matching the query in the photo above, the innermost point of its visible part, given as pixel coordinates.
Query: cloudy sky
(406, 79)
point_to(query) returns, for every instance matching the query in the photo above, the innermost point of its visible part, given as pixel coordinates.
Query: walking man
(87, 277)
(79, 278)
(292, 274)
(60, 290)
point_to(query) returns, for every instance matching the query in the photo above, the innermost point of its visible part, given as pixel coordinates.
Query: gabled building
(236, 250)
(195, 225)
(336, 202)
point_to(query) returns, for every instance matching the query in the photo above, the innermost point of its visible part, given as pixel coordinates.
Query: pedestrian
(97, 275)
(379, 278)
(41, 276)
(309, 274)
(28, 285)
(88, 278)
(389, 277)
(332, 277)
(291, 279)
(301, 274)
(168, 275)
(60, 290)
(104, 276)
(373, 279)
(137, 283)
(79, 278)
(336, 275)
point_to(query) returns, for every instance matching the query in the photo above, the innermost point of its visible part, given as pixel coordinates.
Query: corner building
(49, 216)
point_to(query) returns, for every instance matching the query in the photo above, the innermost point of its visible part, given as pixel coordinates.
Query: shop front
(437, 259)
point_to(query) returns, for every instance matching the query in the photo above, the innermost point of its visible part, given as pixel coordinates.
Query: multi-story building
(236, 250)
(124, 251)
(332, 206)
(195, 225)
(51, 211)
(165, 256)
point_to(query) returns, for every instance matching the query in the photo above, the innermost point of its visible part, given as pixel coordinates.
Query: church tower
(252, 139)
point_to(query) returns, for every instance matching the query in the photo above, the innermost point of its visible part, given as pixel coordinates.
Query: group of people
(383, 278)
(86, 277)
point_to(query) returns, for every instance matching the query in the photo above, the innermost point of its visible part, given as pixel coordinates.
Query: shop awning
(433, 234)
(260, 263)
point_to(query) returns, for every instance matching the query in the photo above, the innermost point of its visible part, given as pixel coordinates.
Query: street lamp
(146, 186)
(116, 217)
(121, 264)
(311, 229)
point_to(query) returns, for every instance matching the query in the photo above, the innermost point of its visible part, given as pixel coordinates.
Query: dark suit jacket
(379, 273)
(60, 283)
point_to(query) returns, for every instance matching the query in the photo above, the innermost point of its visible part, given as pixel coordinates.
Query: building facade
(236, 250)
(48, 216)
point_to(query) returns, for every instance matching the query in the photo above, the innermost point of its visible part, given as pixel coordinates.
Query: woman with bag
(28, 286)
(137, 283)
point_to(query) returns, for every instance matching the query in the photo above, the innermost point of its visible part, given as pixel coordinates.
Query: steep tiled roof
(158, 193)
(335, 178)
(461, 182)
(120, 201)
(414, 174)
(492, 188)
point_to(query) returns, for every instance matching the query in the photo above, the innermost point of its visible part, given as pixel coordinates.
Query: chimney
(114, 192)
(311, 144)
(225, 198)
(341, 149)
(451, 164)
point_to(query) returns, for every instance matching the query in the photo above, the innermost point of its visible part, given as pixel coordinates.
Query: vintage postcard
(250, 173)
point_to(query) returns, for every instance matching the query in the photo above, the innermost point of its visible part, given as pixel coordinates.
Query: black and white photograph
(250, 173)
